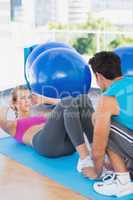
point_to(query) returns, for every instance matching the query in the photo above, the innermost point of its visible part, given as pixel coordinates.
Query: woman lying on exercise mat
(60, 134)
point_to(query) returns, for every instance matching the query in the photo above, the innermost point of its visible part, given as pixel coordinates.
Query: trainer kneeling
(113, 124)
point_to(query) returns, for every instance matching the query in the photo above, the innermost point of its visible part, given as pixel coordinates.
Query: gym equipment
(59, 72)
(126, 56)
(33, 52)
(44, 47)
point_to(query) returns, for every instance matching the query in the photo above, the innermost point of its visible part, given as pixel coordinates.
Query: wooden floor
(20, 183)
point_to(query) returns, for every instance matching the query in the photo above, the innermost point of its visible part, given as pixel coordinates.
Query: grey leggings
(65, 127)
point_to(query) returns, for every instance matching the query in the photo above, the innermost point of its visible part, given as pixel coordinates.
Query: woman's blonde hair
(14, 96)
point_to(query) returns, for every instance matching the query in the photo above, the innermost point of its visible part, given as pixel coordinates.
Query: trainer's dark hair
(106, 63)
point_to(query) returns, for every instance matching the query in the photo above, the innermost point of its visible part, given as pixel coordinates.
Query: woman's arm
(7, 125)
(39, 99)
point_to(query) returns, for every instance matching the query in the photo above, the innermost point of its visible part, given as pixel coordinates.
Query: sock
(124, 177)
(87, 162)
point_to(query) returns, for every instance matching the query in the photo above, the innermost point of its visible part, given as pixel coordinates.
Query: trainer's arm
(39, 99)
(106, 108)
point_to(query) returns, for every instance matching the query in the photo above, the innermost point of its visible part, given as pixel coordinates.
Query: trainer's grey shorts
(121, 142)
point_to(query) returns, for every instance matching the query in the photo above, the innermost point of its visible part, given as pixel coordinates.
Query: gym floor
(19, 182)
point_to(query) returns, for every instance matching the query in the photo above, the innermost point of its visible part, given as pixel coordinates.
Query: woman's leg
(74, 130)
(63, 134)
(77, 119)
(52, 140)
(75, 125)
(86, 110)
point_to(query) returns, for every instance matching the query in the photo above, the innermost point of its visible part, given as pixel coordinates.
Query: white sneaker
(105, 173)
(87, 162)
(113, 186)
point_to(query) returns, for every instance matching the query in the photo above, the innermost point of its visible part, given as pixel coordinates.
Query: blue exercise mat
(61, 170)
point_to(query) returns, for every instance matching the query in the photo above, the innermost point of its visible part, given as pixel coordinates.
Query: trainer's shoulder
(109, 104)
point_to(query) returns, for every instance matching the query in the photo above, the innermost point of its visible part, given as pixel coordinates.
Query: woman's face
(23, 103)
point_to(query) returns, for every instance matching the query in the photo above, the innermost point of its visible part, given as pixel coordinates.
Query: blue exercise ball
(44, 47)
(126, 56)
(41, 48)
(58, 73)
